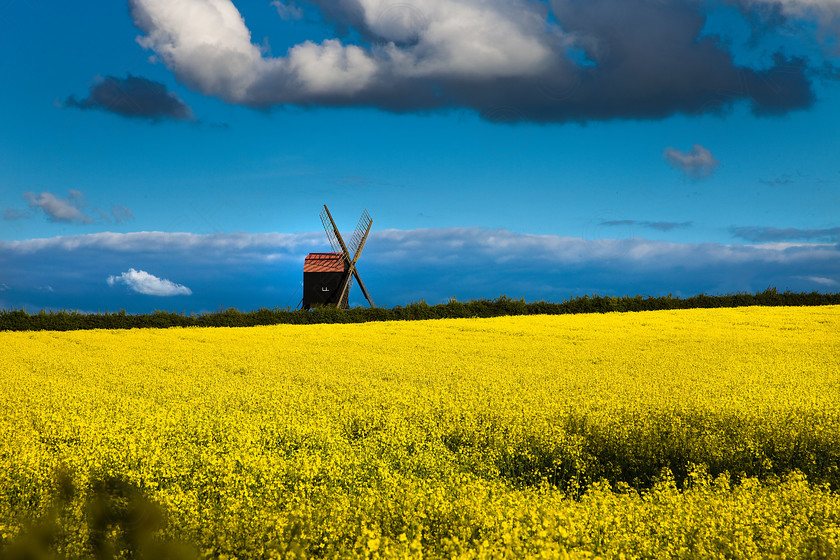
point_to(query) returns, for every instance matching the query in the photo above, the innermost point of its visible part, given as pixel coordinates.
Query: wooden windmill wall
(323, 274)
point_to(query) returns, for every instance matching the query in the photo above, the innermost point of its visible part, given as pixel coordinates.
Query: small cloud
(142, 282)
(785, 179)
(103, 215)
(3, 287)
(820, 280)
(134, 97)
(698, 163)
(659, 226)
(60, 209)
(68, 210)
(667, 226)
(121, 213)
(287, 11)
(15, 214)
(758, 234)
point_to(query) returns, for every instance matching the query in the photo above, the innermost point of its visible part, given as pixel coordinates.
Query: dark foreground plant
(120, 522)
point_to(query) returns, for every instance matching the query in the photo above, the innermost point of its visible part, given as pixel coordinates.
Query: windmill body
(323, 274)
(327, 276)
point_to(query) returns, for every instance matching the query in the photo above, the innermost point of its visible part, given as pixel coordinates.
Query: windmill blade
(326, 219)
(360, 234)
(328, 229)
(344, 292)
(362, 286)
(336, 235)
(358, 243)
(345, 285)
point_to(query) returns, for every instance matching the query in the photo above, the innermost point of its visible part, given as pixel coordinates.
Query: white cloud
(205, 42)
(208, 46)
(697, 162)
(226, 246)
(471, 246)
(419, 246)
(142, 282)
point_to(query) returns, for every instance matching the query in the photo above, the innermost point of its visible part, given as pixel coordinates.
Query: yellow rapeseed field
(667, 434)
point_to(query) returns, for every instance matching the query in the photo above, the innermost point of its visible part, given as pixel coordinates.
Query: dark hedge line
(20, 320)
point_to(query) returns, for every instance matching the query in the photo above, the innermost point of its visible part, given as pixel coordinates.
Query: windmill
(327, 276)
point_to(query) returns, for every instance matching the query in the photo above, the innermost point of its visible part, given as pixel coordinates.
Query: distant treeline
(20, 320)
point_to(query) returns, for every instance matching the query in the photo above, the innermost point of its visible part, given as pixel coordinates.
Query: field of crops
(667, 434)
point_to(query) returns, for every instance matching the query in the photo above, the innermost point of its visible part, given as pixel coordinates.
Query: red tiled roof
(324, 262)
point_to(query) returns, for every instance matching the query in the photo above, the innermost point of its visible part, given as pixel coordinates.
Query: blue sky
(175, 154)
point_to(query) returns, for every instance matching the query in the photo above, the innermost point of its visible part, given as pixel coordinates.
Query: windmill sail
(359, 236)
(329, 227)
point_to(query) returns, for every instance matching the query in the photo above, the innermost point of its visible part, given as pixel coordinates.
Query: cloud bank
(248, 271)
(759, 234)
(133, 97)
(142, 282)
(555, 61)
